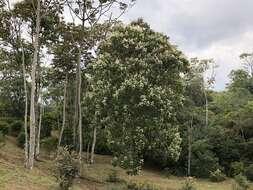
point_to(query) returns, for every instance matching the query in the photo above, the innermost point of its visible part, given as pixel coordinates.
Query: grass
(13, 176)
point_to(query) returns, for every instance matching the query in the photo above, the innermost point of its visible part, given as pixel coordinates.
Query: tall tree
(88, 13)
(137, 88)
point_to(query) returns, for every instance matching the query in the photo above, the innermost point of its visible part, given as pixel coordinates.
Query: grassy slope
(13, 176)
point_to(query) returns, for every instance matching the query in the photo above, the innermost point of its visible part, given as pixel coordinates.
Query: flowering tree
(136, 90)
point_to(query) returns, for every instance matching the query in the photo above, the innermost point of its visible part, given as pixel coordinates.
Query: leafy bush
(241, 183)
(203, 159)
(189, 184)
(15, 128)
(122, 187)
(2, 139)
(236, 168)
(3, 127)
(113, 176)
(167, 172)
(141, 186)
(65, 168)
(249, 172)
(49, 143)
(217, 176)
(21, 139)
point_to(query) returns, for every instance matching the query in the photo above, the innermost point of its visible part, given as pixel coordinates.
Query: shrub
(188, 185)
(236, 168)
(3, 127)
(21, 139)
(241, 183)
(204, 159)
(113, 176)
(249, 172)
(141, 186)
(49, 143)
(122, 187)
(15, 128)
(65, 168)
(217, 176)
(167, 172)
(2, 139)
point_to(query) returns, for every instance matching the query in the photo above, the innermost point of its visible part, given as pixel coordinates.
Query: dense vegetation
(109, 88)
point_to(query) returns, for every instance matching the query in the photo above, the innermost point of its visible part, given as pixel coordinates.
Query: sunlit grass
(13, 176)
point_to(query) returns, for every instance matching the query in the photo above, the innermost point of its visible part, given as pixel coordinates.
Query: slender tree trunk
(79, 108)
(64, 110)
(189, 147)
(26, 106)
(88, 153)
(33, 83)
(38, 134)
(76, 111)
(93, 145)
(206, 106)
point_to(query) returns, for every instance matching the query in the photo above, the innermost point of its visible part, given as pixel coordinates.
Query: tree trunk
(93, 145)
(189, 148)
(79, 108)
(26, 107)
(76, 111)
(88, 153)
(38, 134)
(64, 111)
(32, 105)
(206, 102)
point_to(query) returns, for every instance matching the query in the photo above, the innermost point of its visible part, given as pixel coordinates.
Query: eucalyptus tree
(40, 17)
(247, 61)
(136, 89)
(65, 52)
(15, 45)
(200, 67)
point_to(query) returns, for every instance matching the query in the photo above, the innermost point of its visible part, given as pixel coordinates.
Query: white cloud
(218, 29)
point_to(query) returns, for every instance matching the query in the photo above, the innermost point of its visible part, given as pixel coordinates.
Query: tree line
(97, 85)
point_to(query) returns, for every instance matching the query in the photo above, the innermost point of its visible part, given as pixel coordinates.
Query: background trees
(124, 90)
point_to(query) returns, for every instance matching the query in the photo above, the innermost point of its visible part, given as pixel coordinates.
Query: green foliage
(65, 168)
(2, 139)
(167, 172)
(49, 143)
(189, 184)
(249, 172)
(236, 168)
(140, 186)
(136, 94)
(217, 176)
(113, 176)
(241, 183)
(15, 128)
(203, 159)
(3, 127)
(21, 139)
(49, 121)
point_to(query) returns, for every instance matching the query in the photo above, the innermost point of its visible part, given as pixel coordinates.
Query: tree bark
(26, 106)
(38, 134)
(79, 107)
(76, 111)
(88, 153)
(33, 83)
(64, 111)
(93, 145)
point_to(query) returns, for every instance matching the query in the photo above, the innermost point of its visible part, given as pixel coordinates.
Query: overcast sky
(218, 29)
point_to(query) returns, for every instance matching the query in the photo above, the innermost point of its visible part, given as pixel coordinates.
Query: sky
(217, 29)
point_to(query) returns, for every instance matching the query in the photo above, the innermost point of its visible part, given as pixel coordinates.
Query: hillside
(13, 176)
